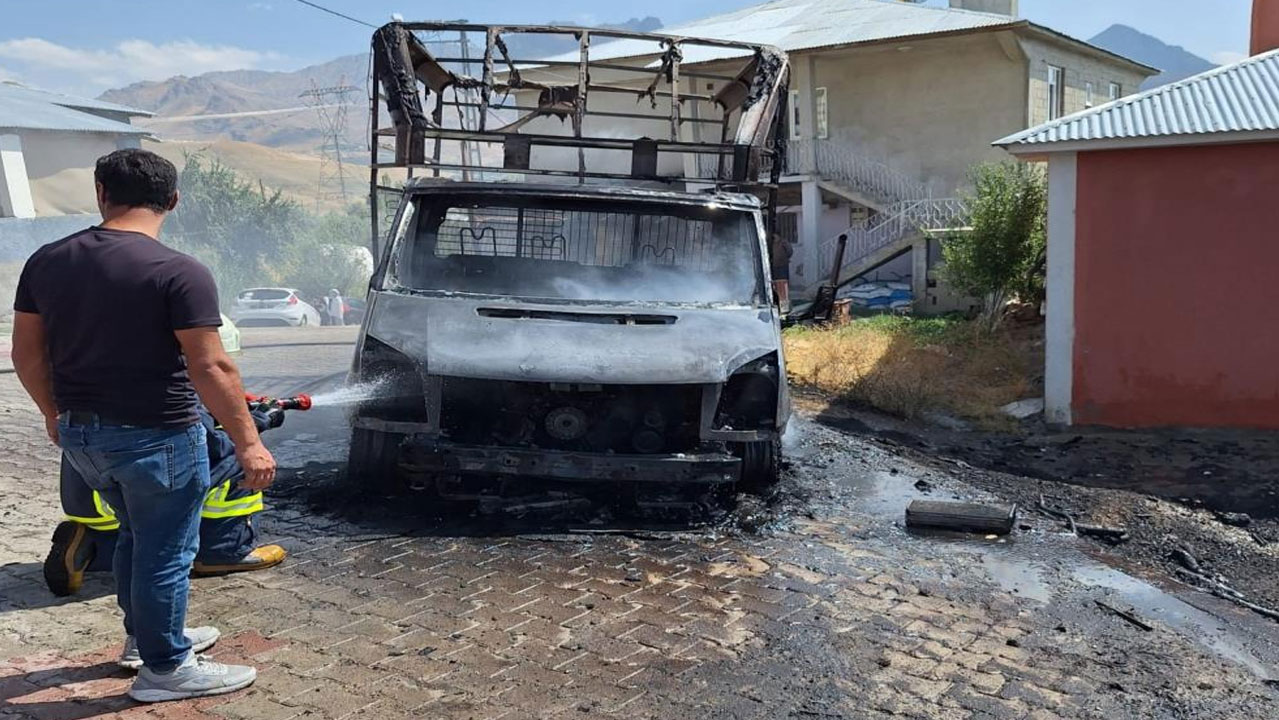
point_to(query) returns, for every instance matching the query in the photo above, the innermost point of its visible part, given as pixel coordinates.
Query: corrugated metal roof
(12, 89)
(1238, 98)
(26, 113)
(805, 24)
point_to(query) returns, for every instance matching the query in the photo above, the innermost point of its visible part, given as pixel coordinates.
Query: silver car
(272, 307)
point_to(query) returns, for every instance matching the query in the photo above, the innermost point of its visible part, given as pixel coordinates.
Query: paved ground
(831, 611)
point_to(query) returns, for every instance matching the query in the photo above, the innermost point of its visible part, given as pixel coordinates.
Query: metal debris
(1100, 532)
(1129, 617)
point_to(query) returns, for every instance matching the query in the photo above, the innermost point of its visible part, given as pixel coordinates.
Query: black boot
(72, 552)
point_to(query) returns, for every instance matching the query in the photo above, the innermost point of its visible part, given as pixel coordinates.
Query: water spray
(352, 394)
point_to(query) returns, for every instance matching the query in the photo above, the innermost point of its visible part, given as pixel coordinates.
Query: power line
(338, 14)
(332, 117)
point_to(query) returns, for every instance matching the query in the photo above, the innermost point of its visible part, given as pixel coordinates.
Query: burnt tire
(374, 461)
(761, 464)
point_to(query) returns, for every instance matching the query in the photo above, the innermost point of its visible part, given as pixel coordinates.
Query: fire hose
(274, 408)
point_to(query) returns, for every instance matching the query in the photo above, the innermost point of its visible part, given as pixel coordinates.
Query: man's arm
(30, 357)
(217, 380)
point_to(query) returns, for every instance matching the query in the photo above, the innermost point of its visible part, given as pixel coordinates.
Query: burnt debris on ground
(1138, 495)
(540, 507)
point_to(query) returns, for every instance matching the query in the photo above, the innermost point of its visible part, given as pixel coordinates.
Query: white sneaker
(202, 638)
(197, 676)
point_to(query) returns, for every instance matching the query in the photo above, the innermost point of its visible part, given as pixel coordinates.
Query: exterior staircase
(905, 209)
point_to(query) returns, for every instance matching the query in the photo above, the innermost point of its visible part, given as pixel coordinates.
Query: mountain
(1176, 62)
(250, 91)
(267, 104)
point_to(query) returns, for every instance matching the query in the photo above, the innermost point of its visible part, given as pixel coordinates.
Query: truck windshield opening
(580, 250)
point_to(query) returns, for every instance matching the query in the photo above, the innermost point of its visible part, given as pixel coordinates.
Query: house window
(1056, 92)
(1116, 91)
(794, 115)
(821, 109)
(1088, 94)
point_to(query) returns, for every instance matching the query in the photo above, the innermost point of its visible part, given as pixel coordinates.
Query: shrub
(249, 236)
(1005, 252)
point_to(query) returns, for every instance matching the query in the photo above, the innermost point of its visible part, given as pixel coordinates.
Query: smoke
(657, 283)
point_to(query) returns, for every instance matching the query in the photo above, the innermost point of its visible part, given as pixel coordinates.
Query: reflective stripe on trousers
(216, 505)
(104, 521)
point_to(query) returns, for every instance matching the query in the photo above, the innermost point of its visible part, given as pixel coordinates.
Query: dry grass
(909, 367)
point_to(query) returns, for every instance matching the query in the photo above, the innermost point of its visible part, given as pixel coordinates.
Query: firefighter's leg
(227, 535)
(85, 540)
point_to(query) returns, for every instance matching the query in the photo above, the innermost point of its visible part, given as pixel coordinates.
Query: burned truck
(560, 297)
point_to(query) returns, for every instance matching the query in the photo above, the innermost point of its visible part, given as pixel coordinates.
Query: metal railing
(902, 220)
(840, 163)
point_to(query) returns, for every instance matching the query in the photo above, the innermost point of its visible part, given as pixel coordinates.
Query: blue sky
(86, 46)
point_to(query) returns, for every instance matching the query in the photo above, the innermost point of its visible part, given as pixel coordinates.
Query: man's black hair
(137, 178)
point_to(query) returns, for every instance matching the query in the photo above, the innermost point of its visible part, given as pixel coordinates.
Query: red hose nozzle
(301, 402)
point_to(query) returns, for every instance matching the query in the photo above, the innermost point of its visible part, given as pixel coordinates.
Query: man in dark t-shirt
(114, 336)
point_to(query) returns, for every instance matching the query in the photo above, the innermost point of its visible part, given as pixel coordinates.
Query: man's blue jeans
(156, 480)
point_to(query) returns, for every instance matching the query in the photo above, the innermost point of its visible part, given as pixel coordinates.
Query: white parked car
(272, 307)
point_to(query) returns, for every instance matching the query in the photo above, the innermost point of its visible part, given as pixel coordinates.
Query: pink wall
(1177, 287)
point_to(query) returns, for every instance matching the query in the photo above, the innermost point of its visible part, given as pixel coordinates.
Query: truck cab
(578, 327)
(588, 334)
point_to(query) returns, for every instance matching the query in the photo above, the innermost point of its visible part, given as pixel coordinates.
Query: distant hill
(247, 91)
(1176, 62)
(254, 91)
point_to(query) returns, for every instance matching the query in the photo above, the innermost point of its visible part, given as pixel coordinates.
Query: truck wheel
(374, 461)
(761, 464)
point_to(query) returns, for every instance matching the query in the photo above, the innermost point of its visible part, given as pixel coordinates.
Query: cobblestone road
(836, 614)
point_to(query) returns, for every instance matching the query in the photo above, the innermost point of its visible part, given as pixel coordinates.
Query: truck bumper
(437, 458)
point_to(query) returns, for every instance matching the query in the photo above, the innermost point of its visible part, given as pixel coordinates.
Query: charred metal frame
(706, 466)
(405, 73)
(450, 459)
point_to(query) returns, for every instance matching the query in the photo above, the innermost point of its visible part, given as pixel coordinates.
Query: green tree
(332, 253)
(239, 229)
(1003, 255)
(314, 268)
(251, 236)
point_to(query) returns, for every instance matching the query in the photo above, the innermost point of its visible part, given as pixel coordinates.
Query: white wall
(15, 189)
(1081, 68)
(60, 166)
(1060, 329)
(930, 108)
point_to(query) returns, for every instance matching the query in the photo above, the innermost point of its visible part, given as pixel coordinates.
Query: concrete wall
(1081, 68)
(1174, 287)
(19, 237)
(928, 108)
(60, 166)
(15, 187)
(930, 111)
